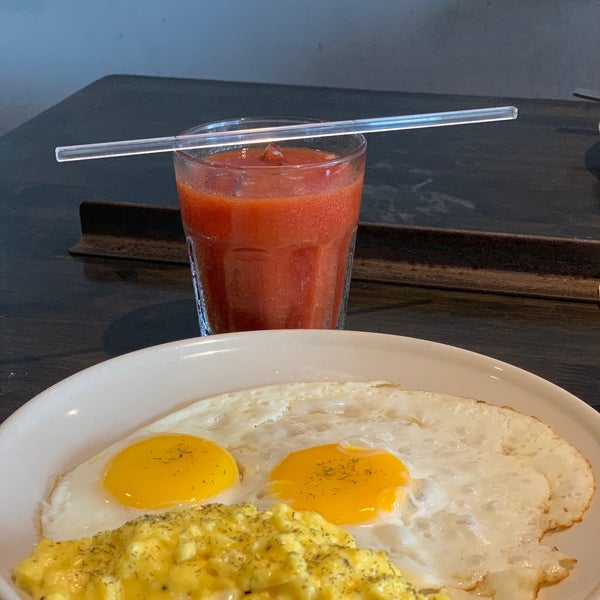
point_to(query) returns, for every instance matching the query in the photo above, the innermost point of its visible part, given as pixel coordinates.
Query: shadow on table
(150, 326)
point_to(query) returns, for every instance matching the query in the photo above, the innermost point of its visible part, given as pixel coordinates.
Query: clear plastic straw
(289, 132)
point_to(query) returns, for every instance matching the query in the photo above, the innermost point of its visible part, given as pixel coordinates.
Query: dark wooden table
(535, 181)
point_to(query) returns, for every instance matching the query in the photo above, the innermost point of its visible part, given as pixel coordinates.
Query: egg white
(487, 482)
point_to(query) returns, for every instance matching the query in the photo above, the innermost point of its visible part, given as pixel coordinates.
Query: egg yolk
(345, 484)
(169, 469)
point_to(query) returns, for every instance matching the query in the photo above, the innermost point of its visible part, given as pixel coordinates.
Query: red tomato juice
(272, 247)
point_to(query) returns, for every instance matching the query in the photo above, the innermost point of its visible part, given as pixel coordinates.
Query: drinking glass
(271, 229)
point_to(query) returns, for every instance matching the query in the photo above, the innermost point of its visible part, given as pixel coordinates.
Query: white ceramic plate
(79, 416)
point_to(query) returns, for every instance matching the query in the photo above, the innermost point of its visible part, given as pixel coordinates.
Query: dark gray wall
(525, 48)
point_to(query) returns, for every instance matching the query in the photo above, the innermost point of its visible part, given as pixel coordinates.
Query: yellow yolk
(345, 484)
(169, 469)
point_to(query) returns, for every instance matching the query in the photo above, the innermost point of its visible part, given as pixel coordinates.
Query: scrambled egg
(215, 552)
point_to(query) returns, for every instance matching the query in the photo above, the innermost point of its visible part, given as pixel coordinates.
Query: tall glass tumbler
(271, 229)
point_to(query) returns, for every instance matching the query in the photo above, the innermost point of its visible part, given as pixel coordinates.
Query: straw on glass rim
(281, 133)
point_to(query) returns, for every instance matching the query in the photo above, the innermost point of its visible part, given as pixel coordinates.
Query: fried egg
(145, 475)
(458, 492)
